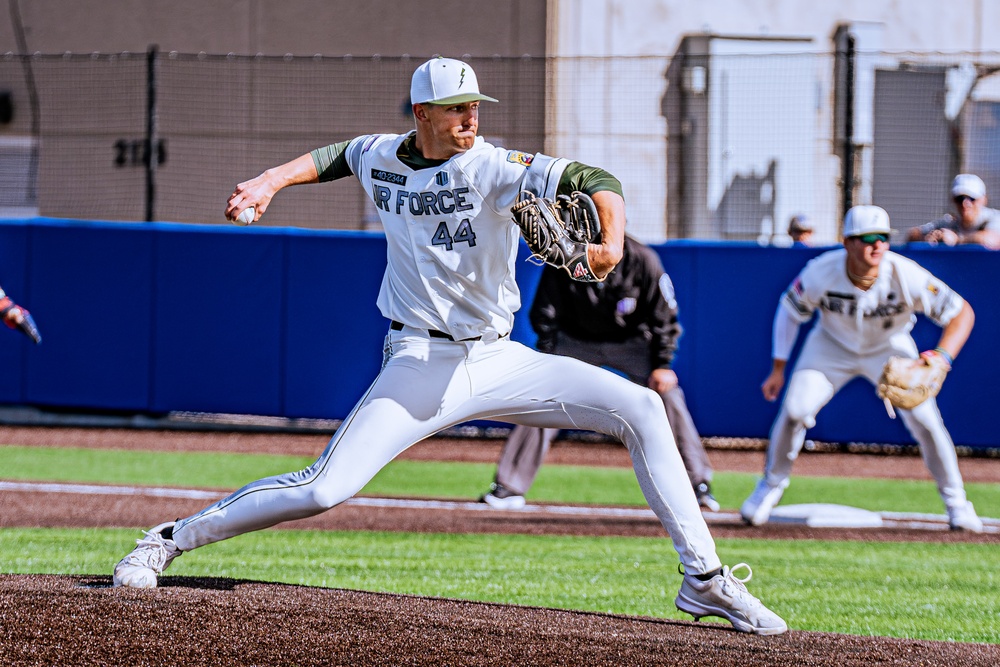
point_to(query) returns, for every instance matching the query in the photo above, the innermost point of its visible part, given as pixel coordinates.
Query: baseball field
(413, 571)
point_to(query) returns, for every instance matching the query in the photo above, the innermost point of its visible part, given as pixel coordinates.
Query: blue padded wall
(159, 317)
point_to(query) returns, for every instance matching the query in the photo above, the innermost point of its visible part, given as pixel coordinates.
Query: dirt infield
(51, 620)
(221, 622)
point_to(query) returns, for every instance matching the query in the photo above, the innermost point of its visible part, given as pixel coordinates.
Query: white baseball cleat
(726, 596)
(506, 503)
(151, 556)
(964, 517)
(501, 498)
(757, 508)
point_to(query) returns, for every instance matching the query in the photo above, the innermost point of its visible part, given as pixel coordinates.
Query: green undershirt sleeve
(330, 162)
(584, 178)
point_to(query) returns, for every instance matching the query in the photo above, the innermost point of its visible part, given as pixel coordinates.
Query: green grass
(569, 484)
(912, 590)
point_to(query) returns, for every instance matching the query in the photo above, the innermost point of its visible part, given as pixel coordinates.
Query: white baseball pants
(822, 369)
(428, 384)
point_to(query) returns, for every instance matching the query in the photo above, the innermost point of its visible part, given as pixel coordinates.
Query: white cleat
(756, 509)
(505, 503)
(726, 596)
(964, 517)
(501, 498)
(151, 556)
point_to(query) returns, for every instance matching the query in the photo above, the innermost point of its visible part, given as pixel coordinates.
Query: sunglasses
(961, 199)
(872, 239)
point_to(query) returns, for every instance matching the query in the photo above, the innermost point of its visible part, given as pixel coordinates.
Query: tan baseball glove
(906, 383)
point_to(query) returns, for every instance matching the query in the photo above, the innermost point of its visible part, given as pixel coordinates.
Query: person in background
(801, 229)
(18, 317)
(974, 222)
(627, 323)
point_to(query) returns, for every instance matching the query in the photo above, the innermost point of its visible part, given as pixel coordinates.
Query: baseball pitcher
(445, 199)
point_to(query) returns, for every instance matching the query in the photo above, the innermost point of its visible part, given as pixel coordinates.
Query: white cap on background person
(866, 220)
(800, 223)
(968, 185)
(445, 81)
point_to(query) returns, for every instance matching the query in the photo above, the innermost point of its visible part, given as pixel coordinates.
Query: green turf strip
(912, 590)
(569, 484)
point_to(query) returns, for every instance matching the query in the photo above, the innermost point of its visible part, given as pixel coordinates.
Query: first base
(825, 515)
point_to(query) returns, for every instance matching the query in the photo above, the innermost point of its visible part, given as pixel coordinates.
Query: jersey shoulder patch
(517, 157)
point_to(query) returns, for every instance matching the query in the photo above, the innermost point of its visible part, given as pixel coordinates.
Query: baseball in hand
(246, 217)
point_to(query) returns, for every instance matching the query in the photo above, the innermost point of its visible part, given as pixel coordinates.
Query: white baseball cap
(969, 185)
(866, 220)
(445, 81)
(800, 223)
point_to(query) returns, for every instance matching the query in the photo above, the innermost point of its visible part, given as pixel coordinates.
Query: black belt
(433, 333)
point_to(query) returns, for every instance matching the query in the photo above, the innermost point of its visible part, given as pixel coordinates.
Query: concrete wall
(656, 27)
(593, 31)
(222, 121)
(421, 28)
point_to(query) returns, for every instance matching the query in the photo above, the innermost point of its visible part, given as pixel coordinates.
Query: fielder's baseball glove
(16, 317)
(558, 232)
(906, 383)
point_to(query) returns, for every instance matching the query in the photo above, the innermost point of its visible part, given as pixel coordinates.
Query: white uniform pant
(428, 384)
(525, 449)
(822, 369)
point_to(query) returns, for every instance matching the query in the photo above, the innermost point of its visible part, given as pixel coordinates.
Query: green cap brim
(460, 99)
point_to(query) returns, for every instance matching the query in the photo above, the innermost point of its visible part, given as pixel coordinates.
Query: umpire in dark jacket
(627, 323)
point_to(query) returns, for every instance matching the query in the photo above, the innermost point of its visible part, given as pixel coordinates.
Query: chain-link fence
(718, 141)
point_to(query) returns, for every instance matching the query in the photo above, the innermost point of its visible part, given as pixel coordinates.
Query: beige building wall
(421, 28)
(226, 116)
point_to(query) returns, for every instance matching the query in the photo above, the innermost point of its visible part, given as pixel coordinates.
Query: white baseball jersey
(452, 243)
(857, 331)
(864, 321)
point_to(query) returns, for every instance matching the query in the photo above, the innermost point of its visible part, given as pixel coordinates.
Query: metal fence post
(848, 162)
(151, 156)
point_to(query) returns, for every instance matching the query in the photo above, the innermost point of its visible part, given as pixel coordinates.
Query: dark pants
(527, 446)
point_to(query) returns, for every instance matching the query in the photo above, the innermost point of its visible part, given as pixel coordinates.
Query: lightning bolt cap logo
(461, 78)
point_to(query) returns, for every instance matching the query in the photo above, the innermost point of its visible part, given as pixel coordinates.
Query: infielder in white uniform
(867, 298)
(444, 197)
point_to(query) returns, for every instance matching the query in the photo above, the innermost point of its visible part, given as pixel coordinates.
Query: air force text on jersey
(440, 202)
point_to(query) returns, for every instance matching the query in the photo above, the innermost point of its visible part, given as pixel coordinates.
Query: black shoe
(705, 498)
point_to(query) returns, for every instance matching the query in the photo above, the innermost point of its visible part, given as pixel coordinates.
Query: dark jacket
(635, 300)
